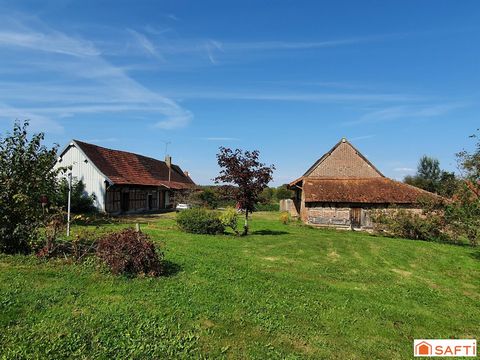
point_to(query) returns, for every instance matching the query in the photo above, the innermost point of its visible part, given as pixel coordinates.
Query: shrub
(200, 221)
(229, 219)
(267, 207)
(26, 176)
(430, 225)
(285, 217)
(129, 252)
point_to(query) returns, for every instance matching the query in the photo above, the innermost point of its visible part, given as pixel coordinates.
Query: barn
(342, 187)
(124, 182)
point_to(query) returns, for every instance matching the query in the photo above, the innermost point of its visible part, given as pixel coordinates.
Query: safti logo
(451, 348)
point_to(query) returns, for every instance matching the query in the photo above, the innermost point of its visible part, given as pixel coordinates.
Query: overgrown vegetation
(428, 225)
(130, 252)
(200, 221)
(81, 201)
(458, 218)
(26, 177)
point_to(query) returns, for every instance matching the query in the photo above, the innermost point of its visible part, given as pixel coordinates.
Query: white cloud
(79, 81)
(362, 137)
(145, 44)
(404, 169)
(38, 122)
(330, 97)
(406, 112)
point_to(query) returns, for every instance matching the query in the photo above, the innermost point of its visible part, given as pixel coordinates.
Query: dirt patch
(271, 258)
(403, 273)
(207, 324)
(333, 255)
(298, 344)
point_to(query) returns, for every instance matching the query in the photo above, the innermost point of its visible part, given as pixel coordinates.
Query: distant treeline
(218, 196)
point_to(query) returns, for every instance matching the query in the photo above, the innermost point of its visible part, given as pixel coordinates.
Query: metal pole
(69, 202)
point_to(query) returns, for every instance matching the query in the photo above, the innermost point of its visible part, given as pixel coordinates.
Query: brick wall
(344, 162)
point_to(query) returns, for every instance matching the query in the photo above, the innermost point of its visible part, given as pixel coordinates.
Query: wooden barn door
(356, 217)
(125, 202)
(150, 201)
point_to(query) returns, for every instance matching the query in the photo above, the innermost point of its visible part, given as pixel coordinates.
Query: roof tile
(125, 168)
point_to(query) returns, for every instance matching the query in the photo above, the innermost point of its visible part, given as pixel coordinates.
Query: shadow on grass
(475, 255)
(269, 232)
(170, 268)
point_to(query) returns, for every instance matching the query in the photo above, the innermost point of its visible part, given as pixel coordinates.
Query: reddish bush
(130, 252)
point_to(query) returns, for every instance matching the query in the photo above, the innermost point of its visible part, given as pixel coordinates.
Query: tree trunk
(245, 227)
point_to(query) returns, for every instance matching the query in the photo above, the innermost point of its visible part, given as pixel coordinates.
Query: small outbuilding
(343, 186)
(124, 182)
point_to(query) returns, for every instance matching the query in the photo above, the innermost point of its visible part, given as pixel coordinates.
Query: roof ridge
(121, 151)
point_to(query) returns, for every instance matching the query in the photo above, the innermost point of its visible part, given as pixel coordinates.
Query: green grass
(288, 291)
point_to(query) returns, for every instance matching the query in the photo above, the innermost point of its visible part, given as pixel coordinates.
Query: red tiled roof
(125, 168)
(379, 190)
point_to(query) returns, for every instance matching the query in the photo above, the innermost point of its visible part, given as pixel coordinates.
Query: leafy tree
(448, 184)
(469, 163)
(427, 176)
(244, 169)
(26, 176)
(464, 212)
(266, 196)
(432, 178)
(429, 169)
(208, 198)
(81, 202)
(284, 193)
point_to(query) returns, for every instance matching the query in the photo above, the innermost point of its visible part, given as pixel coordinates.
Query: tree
(429, 169)
(209, 198)
(266, 195)
(283, 193)
(431, 177)
(81, 202)
(464, 212)
(243, 169)
(469, 163)
(26, 176)
(427, 176)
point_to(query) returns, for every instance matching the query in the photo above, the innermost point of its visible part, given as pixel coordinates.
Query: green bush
(26, 176)
(430, 225)
(229, 219)
(200, 221)
(285, 217)
(267, 207)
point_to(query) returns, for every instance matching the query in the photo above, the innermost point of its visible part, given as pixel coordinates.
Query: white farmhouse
(124, 182)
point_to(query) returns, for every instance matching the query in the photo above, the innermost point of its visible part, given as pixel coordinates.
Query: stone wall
(329, 216)
(339, 215)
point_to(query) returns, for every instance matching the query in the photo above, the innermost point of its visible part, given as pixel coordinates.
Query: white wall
(83, 170)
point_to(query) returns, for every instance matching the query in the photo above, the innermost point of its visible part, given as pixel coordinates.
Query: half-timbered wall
(341, 215)
(139, 199)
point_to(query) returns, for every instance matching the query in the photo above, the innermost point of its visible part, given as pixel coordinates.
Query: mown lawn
(283, 292)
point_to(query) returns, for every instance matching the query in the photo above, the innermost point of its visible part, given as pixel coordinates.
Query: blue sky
(399, 79)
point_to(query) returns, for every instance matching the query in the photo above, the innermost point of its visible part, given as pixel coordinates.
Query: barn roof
(126, 168)
(379, 190)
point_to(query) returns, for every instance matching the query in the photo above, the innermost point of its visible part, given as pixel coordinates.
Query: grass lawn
(287, 291)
